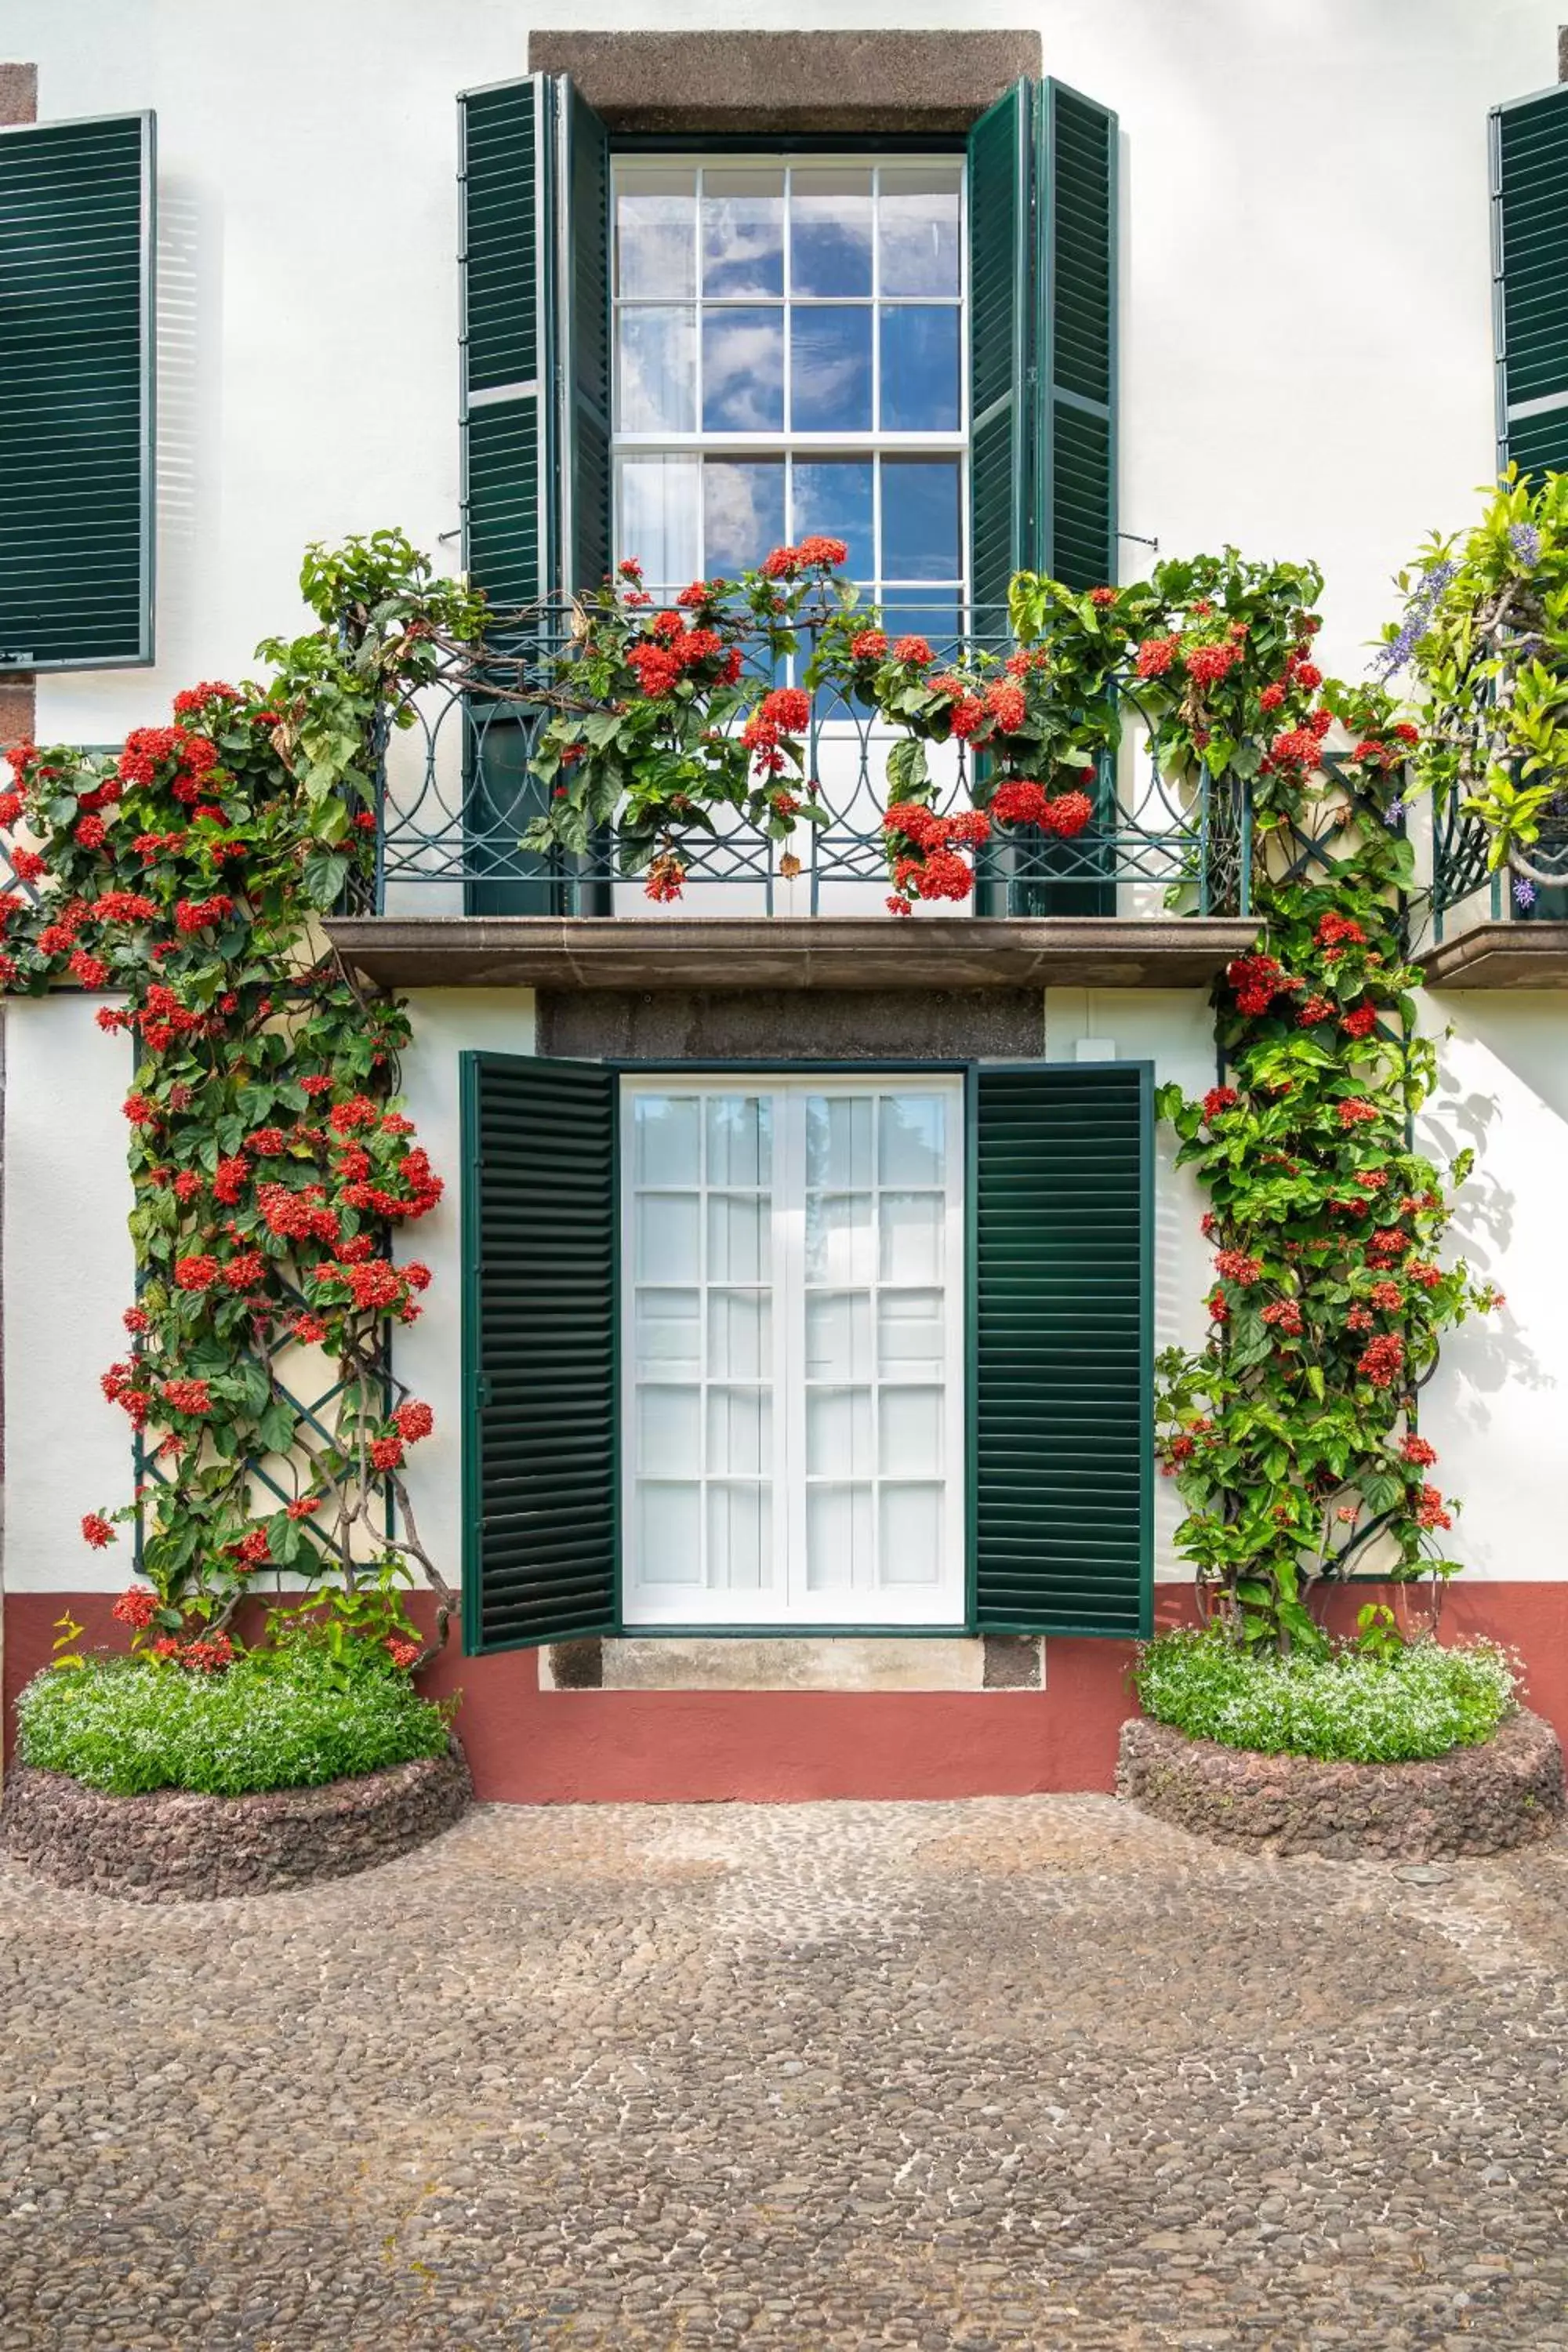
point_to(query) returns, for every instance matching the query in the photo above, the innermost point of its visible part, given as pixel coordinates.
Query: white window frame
(787, 1603)
(788, 445)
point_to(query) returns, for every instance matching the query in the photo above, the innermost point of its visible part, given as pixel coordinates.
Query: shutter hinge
(484, 1394)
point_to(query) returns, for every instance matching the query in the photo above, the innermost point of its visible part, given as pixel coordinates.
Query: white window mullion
(789, 1334)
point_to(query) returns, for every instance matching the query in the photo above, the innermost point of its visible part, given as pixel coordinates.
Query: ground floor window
(792, 1350)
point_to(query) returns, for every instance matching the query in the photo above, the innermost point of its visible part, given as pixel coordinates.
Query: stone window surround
(864, 84)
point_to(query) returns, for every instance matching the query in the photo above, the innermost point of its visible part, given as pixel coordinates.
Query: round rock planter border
(174, 1846)
(1506, 1792)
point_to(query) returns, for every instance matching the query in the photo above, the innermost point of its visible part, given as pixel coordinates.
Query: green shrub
(275, 1719)
(1344, 1706)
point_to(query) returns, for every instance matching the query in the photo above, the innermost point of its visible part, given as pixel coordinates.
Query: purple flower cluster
(1418, 612)
(1523, 891)
(1525, 541)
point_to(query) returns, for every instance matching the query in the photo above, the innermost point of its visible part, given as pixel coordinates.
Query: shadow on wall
(190, 291)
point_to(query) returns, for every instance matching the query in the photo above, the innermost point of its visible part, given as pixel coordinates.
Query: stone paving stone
(955, 2077)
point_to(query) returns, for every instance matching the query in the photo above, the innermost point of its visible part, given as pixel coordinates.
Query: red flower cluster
(1208, 664)
(414, 1420)
(193, 1397)
(1360, 1021)
(136, 1606)
(1004, 700)
(385, 1452)
(666, 880)
(1236, 1266)
(1155, 655)
(914, 651)
(1430, 1511)
(96, 1530)
(195, 1273)
(787, 707)
(1257, 981)
(1220, 1099)
(297, 1215)
(1383, 1360)
(1415, 1450)
(868, 645)
(1354, 1112)
(1339, 930)
(401, 1653)
(192, 914)
(1285, 1316)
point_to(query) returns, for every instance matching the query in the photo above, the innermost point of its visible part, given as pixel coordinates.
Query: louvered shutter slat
(1529, 250)
(540, 1350)
(76, 403)
(1076, 493)
(1061, 1434)
(1000, 258)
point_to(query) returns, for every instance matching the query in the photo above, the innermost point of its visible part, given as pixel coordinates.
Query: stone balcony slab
(780, 951)
(1501, 955)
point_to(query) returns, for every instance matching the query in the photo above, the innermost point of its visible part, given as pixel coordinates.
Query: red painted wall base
(531, 1747)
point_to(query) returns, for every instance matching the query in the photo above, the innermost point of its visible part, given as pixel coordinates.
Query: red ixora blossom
(385, 1452)
(192, 914)
(788, 707)
(1257, 981)
(1383, 1360)
(1415, 1450)
(914, 651)
(1102, 595)
(1339, 930)
(666, 880)
(1354, 1112)
(1284, 1314)
(198, 1273)
(1004, 700)
(1315, 1009)
(1360, 1021)
(1207, 664)
(1271, 698)
(193, 1397)
(1155, 655)
(1236, 1266)
(401, 1653)
(414, 1420)
(1430, 1511)
(869, 645)
(1220, 1099)
(96, 1530)
(136, 1606)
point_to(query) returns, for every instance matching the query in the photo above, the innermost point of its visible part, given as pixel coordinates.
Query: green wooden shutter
(540, 1355)
(1530, 281)
(76, 394)
(1062, 1407)
(1001, 266)
(1075, 490)
(536, 340)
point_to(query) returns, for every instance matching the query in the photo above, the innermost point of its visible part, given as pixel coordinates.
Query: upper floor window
(791, 357)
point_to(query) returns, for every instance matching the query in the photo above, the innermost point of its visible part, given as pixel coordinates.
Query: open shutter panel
(1530, 263)
(1062, 1406)
(540, 1350)
(536, 340)
(1001, 246)
(1076, 486)
(76, 394)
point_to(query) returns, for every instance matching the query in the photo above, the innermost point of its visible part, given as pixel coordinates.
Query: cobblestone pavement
(1015, 2072)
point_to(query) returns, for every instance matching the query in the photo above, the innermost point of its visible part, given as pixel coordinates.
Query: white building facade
(800, 231)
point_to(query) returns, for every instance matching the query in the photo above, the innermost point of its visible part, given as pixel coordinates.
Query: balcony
(1495, 930)
(1153, 893)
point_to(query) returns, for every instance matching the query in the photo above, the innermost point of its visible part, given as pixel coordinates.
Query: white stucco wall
(69, 1279)
(1306, 371)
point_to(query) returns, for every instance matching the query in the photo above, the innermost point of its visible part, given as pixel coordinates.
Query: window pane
(740, 1538)
(743, 511)
(740, 1335)
(932, 614)
(910, 1333)
(668, 1333)
(919, 519)
(742, 371)
(830, 370)
(838, 1140)
(656, 232)
(669, 1534)
(911, 1534)
(657, 372)
(669, 1139)
(669, 1432)
(911, 1237)
(833, 495)
(909, 1139)
(838, 1434)
(742, 233)
(667, 1237)
(737, 1225)
(918, 232)
(739, 1139)
(908, 1432)
(659, 518)
(839, 1238)
(839, 1545)
(739, 1433)
(830, 232)
(838, 1337)
(920, 368)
